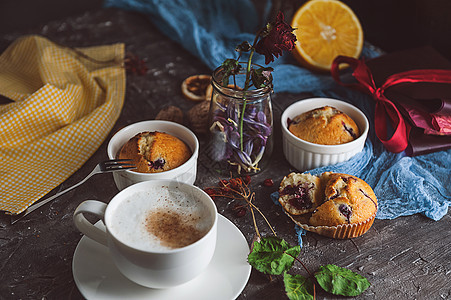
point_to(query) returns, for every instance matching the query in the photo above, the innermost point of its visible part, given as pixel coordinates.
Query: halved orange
(324, 30)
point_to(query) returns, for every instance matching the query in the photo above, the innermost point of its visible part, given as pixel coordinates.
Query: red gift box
(412, 90)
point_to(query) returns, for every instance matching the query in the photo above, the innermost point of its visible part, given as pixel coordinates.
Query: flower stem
(255, 223)
(248, 70)
(252, 205)
(246, 87)
(242, 121)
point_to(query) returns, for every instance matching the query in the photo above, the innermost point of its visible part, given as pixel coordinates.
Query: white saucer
(97, 277)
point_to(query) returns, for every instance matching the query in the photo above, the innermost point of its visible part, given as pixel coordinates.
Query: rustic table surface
(405, 258)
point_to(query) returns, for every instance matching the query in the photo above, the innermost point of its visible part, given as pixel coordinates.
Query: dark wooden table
(405, 258)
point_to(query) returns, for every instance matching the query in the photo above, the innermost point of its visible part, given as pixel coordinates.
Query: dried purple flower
(277, 38)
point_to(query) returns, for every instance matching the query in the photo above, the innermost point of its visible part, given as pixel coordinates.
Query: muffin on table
(333, 204)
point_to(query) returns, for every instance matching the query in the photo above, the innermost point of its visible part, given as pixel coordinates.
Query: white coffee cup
(185, 173)
(139, 259)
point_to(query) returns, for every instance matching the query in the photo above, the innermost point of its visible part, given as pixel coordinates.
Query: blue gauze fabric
(212, 29)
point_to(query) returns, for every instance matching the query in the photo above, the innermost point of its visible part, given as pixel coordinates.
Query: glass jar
(241, 126)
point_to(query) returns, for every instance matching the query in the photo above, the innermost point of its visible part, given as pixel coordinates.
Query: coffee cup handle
(96, 208)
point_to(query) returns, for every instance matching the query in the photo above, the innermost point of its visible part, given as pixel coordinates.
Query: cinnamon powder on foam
(174, 230)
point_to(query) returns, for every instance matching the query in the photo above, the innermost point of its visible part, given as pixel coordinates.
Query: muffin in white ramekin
(183, 173)
(304, 155)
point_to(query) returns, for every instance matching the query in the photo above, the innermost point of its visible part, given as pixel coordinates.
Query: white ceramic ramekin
(304, 155)
(185, 173)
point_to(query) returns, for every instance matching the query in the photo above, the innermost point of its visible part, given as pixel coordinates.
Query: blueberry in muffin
(300, 193)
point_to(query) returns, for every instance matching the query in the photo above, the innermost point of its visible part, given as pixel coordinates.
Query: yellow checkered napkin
(64, 107)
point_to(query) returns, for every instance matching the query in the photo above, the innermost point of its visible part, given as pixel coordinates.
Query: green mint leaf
(262, 77)
(273, 256)
(230, 67)
(341, 281)
(298, 287)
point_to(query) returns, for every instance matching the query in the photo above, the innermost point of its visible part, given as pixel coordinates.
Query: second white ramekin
(304, 155)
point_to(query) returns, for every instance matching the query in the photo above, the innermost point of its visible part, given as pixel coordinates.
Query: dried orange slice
(324, 30)
(195, 87)
(208, 92)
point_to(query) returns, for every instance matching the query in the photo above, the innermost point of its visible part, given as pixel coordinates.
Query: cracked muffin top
(329, 199)
(154, 152)
(325, 125)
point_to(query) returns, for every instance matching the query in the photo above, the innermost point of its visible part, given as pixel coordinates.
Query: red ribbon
(386, 109)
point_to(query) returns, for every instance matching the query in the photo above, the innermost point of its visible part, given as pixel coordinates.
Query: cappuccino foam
(160, 219)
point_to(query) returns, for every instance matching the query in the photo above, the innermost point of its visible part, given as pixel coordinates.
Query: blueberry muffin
(154, 152)
(325, 125)
(332, 204)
